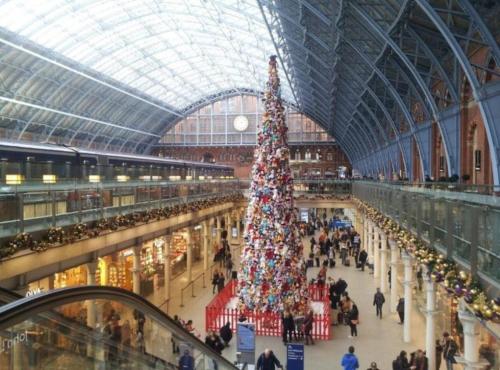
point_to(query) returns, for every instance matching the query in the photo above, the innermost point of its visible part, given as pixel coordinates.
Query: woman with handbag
(354, 320)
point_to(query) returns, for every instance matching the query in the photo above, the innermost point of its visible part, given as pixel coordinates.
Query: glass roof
(177, 51)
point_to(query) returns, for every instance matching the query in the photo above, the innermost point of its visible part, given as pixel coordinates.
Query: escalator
(95, 328)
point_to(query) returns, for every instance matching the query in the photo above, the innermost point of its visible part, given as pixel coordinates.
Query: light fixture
(49, 179)
(201, 177)
(240, 123)
(174, 178)
(94, 178)
(13, 179)
(189, 178)
(122, 178)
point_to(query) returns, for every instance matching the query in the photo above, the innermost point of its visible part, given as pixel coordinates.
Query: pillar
(167, 268)
(136, 269)
(376, 253)
(218, 225)
(430, 312)
(383, 263)
(394, 274)
(91, 304)
(228, 226)
(206, 242)
(365, 235)
(470, 359)
(370, 242)
(189, 256)
(408, 297)
(238, 224)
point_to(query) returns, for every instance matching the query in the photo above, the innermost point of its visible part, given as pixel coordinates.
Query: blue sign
(344, 224)
(246, 337)
(295, 356)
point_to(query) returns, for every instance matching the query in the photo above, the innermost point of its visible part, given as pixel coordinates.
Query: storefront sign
(295, 356)
(33, 292)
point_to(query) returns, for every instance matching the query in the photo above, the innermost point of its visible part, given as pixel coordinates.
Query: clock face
(240, 123)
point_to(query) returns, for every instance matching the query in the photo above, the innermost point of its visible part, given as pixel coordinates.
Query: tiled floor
(378, 340)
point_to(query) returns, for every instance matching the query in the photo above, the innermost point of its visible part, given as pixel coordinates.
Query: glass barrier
(459, 228)
(79, 328)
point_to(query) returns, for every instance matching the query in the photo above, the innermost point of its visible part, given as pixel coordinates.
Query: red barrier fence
(266, 323)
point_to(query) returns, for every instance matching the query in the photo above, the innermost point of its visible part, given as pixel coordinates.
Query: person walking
(378, 302)
(215, 280)
(401, 362)
(317, 254)
(354, 320)
(226, 333)
(288, 327)
(439, 353)
(186, 362)
(363, 256)
(450, 349)
(420, 361)
(229, 266)
(308, 325)
(268, 361)
(373, 366)
(220, 282)
(400, 308)
(349, 360)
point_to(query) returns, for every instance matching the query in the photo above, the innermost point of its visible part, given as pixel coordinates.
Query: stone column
(394, 274)
(470, 359)
(167, 268)
(218, 225)
(365, 235)
(376, 253)
(189, 256)
(91, 304)
(136, 269)
(370, 242)
(408, 292)
(206, 242)
(228, 227)
(238, 223)
(430, 312)
(383, 263)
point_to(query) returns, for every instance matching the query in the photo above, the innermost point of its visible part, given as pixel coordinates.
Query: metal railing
(192, 284)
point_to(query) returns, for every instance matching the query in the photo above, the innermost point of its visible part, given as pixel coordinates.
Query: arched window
(297, 155)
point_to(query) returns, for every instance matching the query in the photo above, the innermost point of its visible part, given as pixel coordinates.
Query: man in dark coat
(378, 302)
(226, 333)
(363, 256)
(268, 361)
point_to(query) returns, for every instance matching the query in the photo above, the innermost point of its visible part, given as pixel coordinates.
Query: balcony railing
(463, 226)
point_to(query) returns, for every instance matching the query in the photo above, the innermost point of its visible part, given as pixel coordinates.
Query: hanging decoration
(58, 236)
(457, 282)
(272, 274)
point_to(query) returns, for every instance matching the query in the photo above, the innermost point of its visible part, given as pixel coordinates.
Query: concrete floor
(378, 340)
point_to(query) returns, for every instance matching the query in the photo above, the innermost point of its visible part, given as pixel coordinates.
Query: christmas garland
(58, 236)
(457, 282)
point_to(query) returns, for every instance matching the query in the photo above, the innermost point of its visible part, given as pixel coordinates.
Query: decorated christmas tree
(272, 275)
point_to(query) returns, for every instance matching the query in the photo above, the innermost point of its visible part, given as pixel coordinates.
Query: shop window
(477, 160)
(329, 156)
(441, 163)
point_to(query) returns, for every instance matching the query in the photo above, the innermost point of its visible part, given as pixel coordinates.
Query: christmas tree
(272, 275)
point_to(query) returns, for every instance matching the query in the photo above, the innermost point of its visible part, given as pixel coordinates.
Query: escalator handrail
(24, 308)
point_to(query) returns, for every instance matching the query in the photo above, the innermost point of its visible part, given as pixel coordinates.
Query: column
(383, 263)
(470, 359)
(370, 243)
(408, 297)
(376, 253)
(91, 304)
(430, 312)
(394, 274)
(167, 268)
(206, 242)
(365, 235)
(136, 269)
(228, 227)
(238, 223)
(218, 225)
(189, 256)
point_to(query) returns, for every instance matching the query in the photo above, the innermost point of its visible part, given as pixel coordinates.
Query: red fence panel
(266, 323)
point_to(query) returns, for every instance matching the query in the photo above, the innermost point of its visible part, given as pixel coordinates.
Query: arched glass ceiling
(177, 51)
